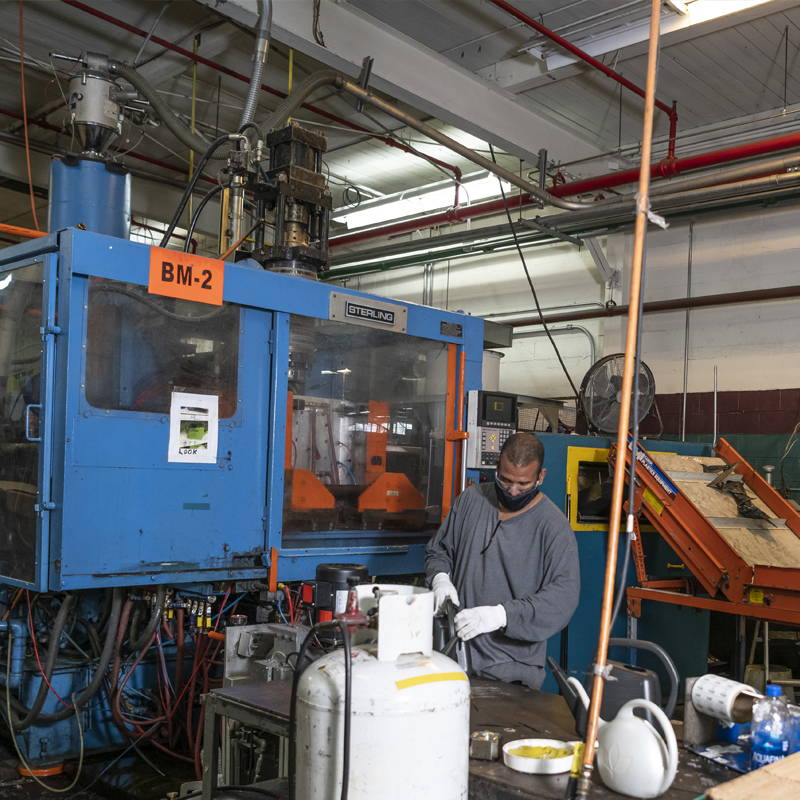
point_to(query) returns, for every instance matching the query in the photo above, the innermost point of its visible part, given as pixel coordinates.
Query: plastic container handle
(668, 736)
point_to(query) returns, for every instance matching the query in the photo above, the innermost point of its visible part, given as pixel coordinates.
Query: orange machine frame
(732, 585)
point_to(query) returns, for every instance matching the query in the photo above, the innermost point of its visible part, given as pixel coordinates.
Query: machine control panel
(491, 419)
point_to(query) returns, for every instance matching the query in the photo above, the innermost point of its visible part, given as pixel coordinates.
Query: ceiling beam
(414, 74)
(524, 72)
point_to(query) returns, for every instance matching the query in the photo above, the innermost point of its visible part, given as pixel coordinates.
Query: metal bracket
(363, 79)
(40, 508)
(49, 330)
(607, 272)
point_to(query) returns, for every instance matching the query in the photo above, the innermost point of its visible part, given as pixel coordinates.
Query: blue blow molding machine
(93, 496)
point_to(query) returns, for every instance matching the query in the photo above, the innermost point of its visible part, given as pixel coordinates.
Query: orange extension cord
(25, 110)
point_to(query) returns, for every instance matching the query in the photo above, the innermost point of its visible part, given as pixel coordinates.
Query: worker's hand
(483, 619)
(442, 589)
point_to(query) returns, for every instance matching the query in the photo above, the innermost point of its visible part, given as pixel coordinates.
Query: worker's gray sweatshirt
(529, 564)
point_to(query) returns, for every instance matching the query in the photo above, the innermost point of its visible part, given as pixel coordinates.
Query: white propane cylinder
(409, 730)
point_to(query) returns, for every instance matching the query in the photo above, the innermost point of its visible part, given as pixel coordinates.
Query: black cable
(213, 147)
(533, 289)
(199, 210)
(348, 691)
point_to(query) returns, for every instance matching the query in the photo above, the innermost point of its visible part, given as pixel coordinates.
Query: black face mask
(514, 502)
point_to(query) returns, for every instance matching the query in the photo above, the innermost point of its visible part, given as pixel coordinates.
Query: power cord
(533, 288)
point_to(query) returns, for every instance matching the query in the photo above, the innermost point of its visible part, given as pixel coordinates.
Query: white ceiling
(724, 72)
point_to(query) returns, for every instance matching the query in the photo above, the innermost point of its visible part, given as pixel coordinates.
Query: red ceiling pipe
(670, 111)
(246, 79)
(668, 169)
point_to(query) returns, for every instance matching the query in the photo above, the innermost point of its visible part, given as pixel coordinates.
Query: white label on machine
(193, 428)
(341, 601)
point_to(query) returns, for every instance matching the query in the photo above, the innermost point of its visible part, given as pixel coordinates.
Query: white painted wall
(755, 346)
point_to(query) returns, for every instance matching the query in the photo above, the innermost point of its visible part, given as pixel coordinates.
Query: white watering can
(633, 758)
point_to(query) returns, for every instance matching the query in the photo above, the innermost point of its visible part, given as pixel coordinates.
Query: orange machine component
(307, 492)
(377, 438)
(392, 492)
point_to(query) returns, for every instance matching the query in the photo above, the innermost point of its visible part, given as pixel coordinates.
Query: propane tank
(409, 726)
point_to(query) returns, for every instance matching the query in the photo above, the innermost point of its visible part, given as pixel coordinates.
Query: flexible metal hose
(260, 52)
(192, 140)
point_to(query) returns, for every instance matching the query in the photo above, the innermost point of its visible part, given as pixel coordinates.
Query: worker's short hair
(523, 448)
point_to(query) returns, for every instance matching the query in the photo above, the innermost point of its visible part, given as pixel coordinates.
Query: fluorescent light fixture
(5, 282)
(421, 202)
(343, 371)
(684, 14)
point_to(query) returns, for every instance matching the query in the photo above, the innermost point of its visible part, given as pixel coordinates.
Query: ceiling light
(5, 282)
(682, 14)
(421, 202)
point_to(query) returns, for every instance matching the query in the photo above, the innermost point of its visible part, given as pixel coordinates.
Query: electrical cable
(622, 575)
(533, 289)
(198, 171)
(25, 112)
(22, 759)
(146, 300)
(348, 691)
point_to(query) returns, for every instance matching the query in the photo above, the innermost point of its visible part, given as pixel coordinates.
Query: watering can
(633, 758)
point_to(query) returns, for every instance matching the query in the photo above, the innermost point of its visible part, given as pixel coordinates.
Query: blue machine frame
(113, 512)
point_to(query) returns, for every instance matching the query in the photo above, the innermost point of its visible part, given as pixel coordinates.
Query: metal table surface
(515, 712)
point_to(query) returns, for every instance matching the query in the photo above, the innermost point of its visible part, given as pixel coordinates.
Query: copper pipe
(642, 210)
(25, 233)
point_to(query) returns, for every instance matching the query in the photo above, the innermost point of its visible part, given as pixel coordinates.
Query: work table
(514, 712)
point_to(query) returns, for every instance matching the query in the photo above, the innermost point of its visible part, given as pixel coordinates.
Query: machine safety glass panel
(365, 428)
(20, 418)
(141, 347)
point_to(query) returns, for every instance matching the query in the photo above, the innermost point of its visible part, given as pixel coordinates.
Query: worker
(507, 557)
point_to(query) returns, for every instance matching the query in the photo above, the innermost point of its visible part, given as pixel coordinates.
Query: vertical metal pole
(714, 440)
(584, 782)
(766, 651)
(686, 332)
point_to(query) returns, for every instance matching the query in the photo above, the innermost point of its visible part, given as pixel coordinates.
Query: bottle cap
(773, 690)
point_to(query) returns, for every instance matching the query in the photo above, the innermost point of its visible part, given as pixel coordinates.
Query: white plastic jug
(633, 758)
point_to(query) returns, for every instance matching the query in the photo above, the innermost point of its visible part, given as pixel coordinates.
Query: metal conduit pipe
(18, 633)
(175, 48)
(329, 77)
(581, 223)
(569, 329)
(520, 201)
(674, 304)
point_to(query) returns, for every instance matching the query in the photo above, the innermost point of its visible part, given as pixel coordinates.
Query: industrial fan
(601, 390)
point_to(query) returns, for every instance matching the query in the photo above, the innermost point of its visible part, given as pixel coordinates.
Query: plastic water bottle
(771, 729)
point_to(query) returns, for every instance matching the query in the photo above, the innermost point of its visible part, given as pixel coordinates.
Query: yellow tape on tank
(434, 677)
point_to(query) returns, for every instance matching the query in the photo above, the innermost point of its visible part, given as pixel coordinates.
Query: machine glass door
(364, 429)
(164, 470)
(21, 419)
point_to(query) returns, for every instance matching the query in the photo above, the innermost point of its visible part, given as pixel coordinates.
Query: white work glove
(483, 619)
(442, 589)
